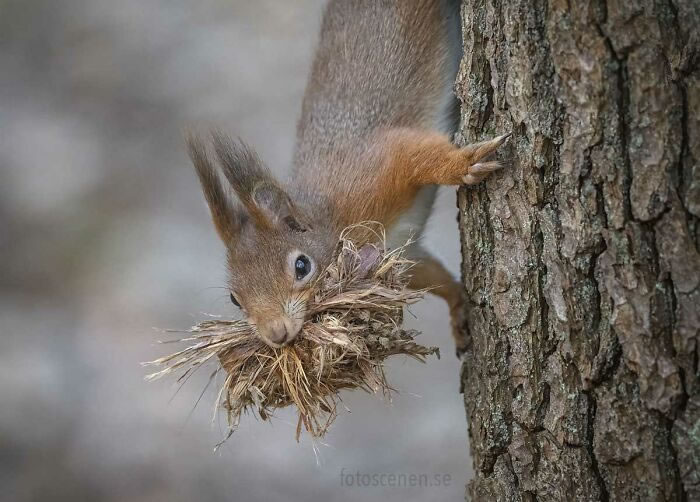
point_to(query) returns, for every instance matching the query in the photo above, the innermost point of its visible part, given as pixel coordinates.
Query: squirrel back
(379, 64)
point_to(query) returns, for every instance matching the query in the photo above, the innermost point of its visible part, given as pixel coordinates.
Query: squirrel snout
(280, 332)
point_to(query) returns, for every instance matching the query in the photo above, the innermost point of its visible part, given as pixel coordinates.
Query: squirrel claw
(479, 171)
(501, 139)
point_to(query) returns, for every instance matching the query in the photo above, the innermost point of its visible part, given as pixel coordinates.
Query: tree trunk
(581, 258)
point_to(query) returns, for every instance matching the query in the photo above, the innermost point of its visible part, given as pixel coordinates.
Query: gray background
(104, 234)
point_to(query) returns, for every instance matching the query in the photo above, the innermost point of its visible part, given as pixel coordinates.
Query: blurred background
(104, 235)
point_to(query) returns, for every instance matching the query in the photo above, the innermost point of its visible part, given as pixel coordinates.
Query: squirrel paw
(478, 171)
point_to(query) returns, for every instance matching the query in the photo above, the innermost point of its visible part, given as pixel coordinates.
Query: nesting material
(354, 325)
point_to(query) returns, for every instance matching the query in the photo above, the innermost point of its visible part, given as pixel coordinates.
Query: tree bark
(581, 258)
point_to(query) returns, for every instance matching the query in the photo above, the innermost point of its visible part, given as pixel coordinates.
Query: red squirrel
(373, 144)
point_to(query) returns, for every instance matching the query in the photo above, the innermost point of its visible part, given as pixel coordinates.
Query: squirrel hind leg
(428, 273)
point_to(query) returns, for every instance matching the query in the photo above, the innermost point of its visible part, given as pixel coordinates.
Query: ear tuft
(226, 217)
(254, 184)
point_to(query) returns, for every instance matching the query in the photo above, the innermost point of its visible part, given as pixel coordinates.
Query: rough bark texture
(581, 259)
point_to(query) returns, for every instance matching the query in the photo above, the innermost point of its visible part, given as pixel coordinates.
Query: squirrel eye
(302, 267)
(234, 301)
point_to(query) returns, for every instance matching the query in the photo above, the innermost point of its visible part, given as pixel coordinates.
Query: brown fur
(368, 140)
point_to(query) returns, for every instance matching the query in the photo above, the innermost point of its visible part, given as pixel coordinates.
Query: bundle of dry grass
(355, 325)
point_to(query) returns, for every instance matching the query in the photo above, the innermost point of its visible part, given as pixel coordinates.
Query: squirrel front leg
(411, 159)
(403, 160)
(429, 158)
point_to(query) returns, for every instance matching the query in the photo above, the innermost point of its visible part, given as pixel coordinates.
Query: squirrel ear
(254, 184)
(227, 218)
(276, 206)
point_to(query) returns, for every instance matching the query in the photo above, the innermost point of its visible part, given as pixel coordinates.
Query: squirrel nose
(277, 332)
(280, 331)
(293, 327)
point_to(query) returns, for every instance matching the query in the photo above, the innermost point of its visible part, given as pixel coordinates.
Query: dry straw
(354, 324)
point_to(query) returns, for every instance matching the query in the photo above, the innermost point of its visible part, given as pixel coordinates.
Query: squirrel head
(274, 251)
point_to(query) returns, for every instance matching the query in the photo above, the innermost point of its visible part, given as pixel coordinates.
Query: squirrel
(373, 144)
